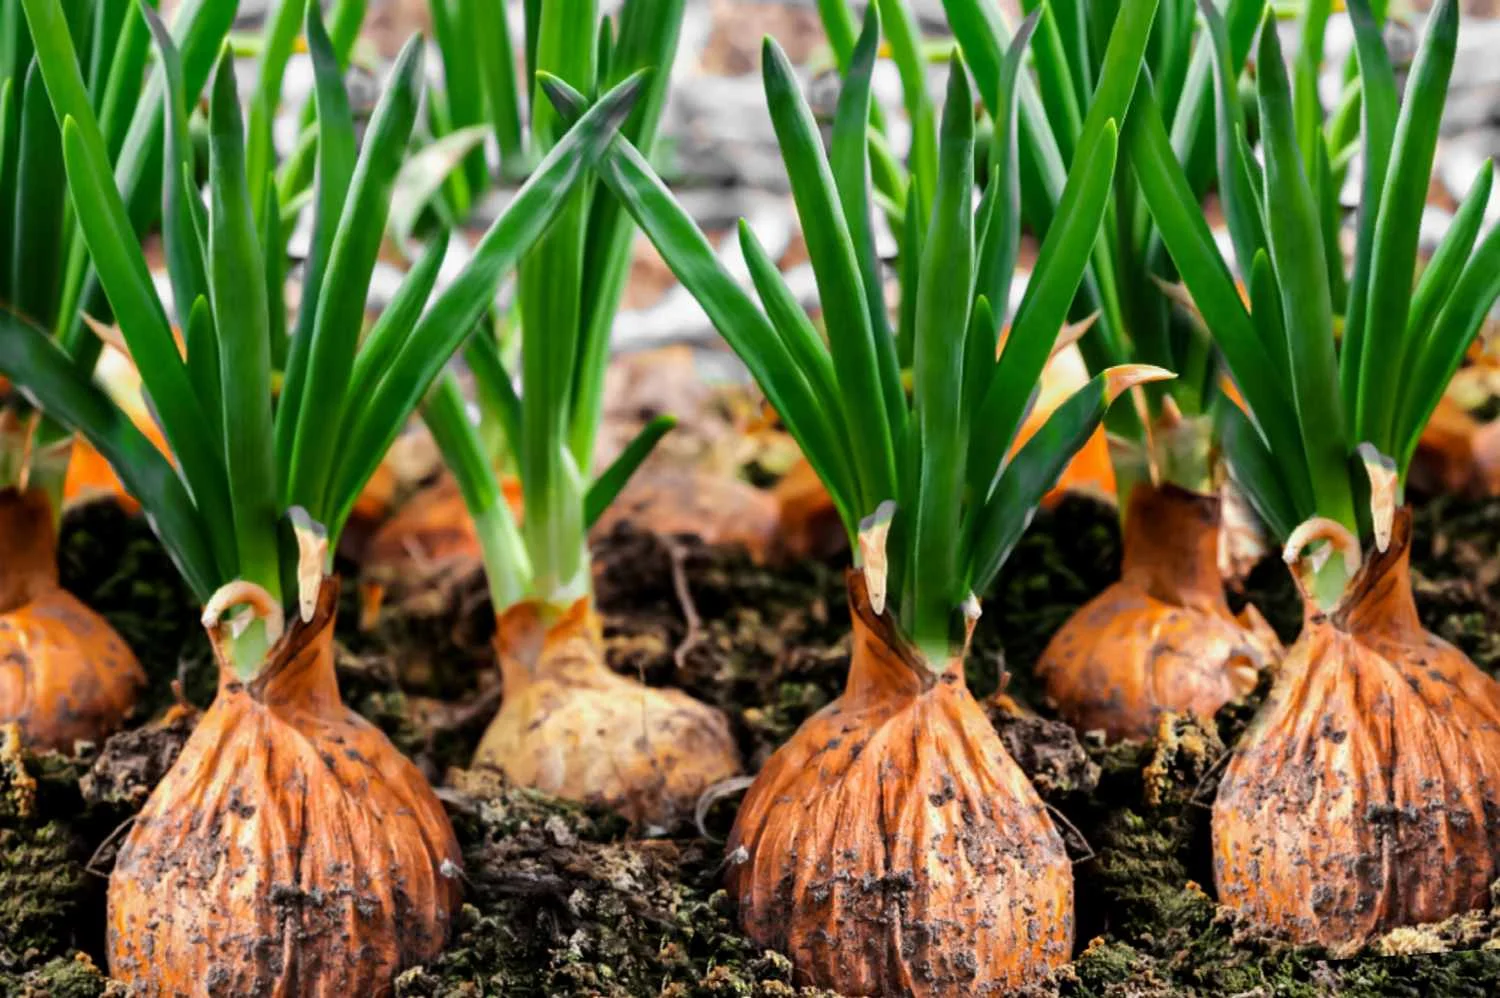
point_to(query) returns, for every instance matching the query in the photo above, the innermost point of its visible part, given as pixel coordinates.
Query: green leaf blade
(242, 321)
(846, 310)
(452, 316)
(336, 328)
(1300, 259)
(336, 158)
(1394, 254)
(938, 374)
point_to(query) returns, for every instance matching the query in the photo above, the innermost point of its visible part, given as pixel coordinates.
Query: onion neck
(248, 651)
(296, 671)
(883, 664)
(533, 638)
(1172, 546)
(1328, 586)
(28, 547)
(507, 566)
(1379, 598)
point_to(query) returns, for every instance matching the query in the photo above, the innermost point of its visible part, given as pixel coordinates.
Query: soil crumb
(132, 763)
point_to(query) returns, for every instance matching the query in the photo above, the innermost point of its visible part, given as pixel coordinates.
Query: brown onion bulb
(415, 558)
(65, 675)
(893, 847)
(574, 728)
(1366, 793)
(717, 508)
(1162, 638)
(291, 850)
(809, 524)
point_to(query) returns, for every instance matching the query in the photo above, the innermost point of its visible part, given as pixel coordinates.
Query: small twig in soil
(677, 554)
(453, 871)
(456, 800)
(1070, 829)
(470, 599)
(1206, 781)
(531, 885)
(94, 864)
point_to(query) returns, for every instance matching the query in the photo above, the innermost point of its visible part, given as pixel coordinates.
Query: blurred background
(719, 153)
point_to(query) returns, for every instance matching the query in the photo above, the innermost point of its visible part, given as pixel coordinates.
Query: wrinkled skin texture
(65, 675)
(892, 847)
(572, 727)
(1366, 794)
(1162, 638)
(291, 850)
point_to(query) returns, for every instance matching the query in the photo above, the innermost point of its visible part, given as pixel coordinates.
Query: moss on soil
(566, 901)
(75, 976)
(44, 886)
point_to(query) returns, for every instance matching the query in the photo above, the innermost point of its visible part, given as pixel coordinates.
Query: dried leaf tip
(1384, 485)
(312, 555)
(109, 335)
(1072, 333)
(1336, 537)
(1123, 377)
(873, 531)
(972, 612)
(1178, 294)
(241, 593)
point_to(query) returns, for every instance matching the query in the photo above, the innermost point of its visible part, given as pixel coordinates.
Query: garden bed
(561, 899)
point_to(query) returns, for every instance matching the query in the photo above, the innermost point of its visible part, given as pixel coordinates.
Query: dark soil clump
(112, 561)
(1456, 566)
(767, 646)
(561, 903)
(133, 762)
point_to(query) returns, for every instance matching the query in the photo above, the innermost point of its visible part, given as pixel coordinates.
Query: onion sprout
(222, 509)
(934, 464)
(1313, 399)
(569, 292)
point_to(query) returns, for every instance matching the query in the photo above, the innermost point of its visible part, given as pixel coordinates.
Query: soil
(563, 900)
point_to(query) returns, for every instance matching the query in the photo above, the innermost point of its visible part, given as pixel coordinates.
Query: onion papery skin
(570, 726)
(1366, 793)
(65, 675)
(1161, 639)
(291, 850)
(893, 847)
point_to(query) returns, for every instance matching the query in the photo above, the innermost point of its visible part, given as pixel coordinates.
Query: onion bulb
(1366, 793)
(1162, 638)
(65, 675)
(291, 850)
(892, 846)
(572, 727)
